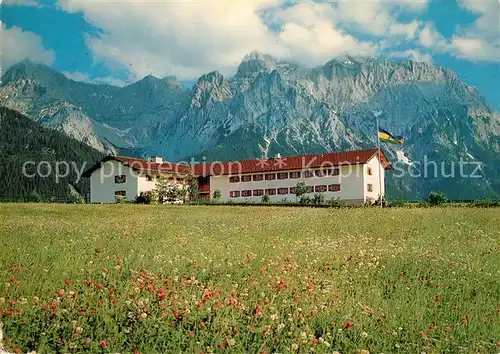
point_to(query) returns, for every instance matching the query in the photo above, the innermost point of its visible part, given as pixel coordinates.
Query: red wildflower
(90, 283)
(315, 340)
(448, 329)
(111, 292)
(452, 265)
(221, 345)
(348, 325)
(18, 350)
(236, 331)
(87, 341)
(296, 298)
(102, 343)
(258, 310)
(67, 282)
(100, 286)
(60, 292)
(282, 284)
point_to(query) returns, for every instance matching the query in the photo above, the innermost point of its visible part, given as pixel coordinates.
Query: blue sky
(119, 42)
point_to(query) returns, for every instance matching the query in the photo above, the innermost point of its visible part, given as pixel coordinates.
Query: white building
(117, 176)
(351, 176)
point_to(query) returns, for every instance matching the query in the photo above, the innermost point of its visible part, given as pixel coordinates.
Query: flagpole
(378, 167)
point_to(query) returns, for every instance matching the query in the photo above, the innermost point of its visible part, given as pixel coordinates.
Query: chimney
(157, 159)
(277, 155)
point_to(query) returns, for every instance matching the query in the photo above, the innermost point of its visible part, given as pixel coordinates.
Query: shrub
(76, 198)
(437, 198)
(265, 199)
(300, 190)
(319, 198)
(120, 199)
(34, 197)
(146, 198)
(336, 202)
(485, 203)
(397, 203)
(305, 200)
(217, 194)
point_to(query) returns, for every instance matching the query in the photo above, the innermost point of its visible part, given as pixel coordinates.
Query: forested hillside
(23, 140)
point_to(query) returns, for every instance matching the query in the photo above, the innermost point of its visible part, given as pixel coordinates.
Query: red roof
(300, 162)
(143, 166)
(148, 166)
(284, 163)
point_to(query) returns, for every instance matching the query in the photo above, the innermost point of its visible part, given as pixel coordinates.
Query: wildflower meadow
(202, 279)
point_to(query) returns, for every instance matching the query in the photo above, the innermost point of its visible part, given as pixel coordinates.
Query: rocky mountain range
(272, 106)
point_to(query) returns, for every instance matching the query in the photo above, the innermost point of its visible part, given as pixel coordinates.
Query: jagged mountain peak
(28, 69)
(213, 78)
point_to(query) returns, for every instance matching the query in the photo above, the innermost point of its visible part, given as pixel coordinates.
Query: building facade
(355, 177)
(121, 177)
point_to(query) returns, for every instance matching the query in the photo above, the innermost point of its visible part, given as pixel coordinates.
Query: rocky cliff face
(272, 106)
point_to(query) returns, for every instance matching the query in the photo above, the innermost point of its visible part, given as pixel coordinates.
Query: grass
(131, 278)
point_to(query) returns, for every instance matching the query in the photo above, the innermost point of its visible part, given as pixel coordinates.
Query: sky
(119, 42)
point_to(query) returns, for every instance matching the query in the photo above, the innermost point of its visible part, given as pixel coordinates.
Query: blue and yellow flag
(387, 137)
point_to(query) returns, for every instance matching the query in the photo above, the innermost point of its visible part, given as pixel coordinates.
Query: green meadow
(192, 279)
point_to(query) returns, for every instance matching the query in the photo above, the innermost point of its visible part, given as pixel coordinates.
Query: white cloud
(17, 45)
(481, 40)
(191, 38)
(378, 17)
(475, 49)
(429, 37)
(83, 77)
(413, 54)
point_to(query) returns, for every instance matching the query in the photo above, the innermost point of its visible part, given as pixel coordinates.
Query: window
(295, 174)
(308, 174)
(150, 178)
(258, 192)
(234, 179)
(246, 178)
(234, 194)
(369, 171)
(120, 179)
(322, 188)
(370, 187)
(247, 193)
(293, 190)
(270, 176)
(271, 191)
(282, 190)
(283, 175)
(323, 173)
(334, 187)
(121, 193)
(257, 178)
(335, 172)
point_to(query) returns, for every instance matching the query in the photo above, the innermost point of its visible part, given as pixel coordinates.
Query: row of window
(283, 191)
(123, 179)
(285, 175)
